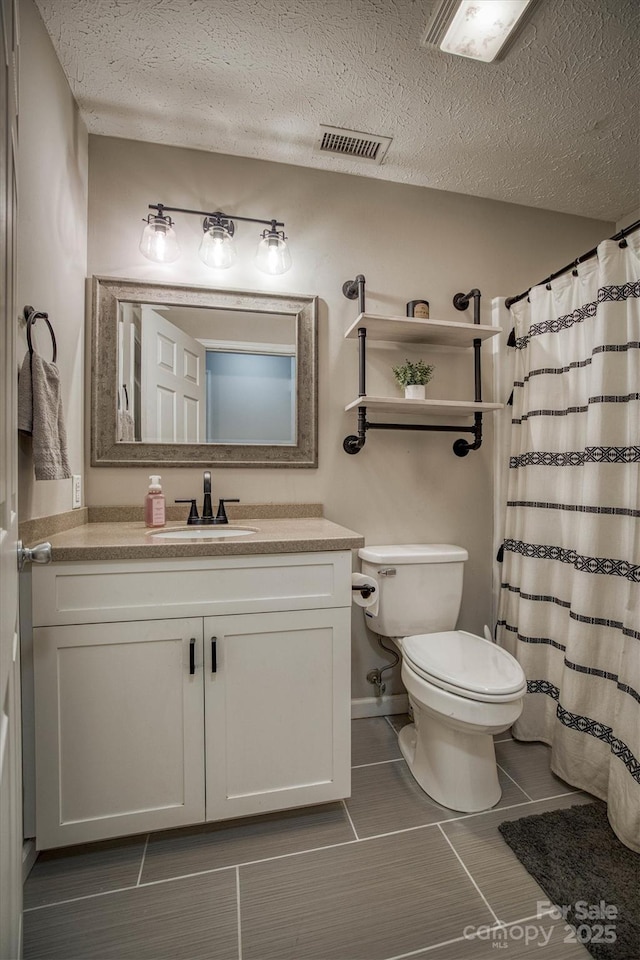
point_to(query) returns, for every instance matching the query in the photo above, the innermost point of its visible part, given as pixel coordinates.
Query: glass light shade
(217, 249)
(272, 255)
(480, 28)
(159, 242)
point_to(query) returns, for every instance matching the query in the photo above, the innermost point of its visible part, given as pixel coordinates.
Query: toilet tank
(420, 587)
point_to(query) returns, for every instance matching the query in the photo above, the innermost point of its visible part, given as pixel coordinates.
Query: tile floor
(385, 875)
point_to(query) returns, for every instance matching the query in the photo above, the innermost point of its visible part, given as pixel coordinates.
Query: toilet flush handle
(387, 572)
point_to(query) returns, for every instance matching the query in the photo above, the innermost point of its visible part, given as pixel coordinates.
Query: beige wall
(409, 242)
(627, 220)
(52, 242)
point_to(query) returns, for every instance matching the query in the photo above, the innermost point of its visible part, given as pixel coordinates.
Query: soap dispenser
(154, 504)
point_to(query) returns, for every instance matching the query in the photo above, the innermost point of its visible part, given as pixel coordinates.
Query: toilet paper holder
(365, 589)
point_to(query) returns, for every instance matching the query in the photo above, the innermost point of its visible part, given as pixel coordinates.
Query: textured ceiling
(553, 125)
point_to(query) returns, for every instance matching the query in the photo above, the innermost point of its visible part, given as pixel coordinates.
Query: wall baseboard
(379, 706)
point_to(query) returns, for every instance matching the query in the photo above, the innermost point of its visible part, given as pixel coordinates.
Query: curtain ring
(574, 272)
(547, 286)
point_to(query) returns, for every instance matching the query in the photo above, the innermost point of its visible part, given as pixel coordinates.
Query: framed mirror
(192, 376)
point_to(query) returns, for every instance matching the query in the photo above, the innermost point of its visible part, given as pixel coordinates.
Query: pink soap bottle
(154, 504)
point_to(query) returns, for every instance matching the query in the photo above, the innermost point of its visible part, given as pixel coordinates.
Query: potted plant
(413, 377)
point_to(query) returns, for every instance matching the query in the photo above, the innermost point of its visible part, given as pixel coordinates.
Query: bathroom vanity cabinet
(172, 692)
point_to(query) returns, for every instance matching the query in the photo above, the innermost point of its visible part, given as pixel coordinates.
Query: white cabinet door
(119, 729)
(277, 710)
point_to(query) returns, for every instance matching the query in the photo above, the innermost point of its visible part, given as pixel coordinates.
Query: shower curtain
(569, 607)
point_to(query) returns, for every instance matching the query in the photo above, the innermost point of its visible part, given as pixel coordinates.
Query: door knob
(38, 554)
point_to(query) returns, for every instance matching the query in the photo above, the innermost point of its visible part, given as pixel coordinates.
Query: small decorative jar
(418, 309)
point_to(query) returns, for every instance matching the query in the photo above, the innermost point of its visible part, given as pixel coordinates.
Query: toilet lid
(457, 660)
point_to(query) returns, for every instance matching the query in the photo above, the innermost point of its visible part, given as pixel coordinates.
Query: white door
(119, 729)
(277, 710)
(173, 383)
(10, 748)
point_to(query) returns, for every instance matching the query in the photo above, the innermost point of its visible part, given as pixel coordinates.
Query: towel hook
(31, 316)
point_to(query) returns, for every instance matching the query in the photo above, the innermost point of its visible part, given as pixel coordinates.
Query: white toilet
(462, 688)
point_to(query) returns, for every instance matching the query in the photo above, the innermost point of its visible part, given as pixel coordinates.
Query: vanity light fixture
(478, 29)
(217, 249)
(159, 242)
(272, 255)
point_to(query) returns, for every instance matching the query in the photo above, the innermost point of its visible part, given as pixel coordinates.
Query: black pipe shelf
(446, 333)
(435, 408)
(443, 333)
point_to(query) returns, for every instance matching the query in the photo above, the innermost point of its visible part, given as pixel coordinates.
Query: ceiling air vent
(352, 143)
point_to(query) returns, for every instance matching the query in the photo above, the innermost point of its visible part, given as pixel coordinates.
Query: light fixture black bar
(570, 266)
(160, 207)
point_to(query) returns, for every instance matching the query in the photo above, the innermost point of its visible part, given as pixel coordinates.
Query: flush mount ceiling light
(217, 249)
(478, 29)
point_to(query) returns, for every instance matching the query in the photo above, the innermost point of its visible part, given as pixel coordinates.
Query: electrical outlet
(76, 491)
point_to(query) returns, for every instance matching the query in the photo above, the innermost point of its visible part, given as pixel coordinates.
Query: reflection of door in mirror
(193, 375)
(129, 354)
(173, 382)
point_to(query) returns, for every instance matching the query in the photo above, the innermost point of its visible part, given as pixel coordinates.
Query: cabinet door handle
(192, 656)
(214, 655)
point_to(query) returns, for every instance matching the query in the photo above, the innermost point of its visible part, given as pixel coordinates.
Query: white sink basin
(204, 533)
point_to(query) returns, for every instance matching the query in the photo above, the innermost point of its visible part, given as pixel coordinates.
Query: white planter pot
(415, 391)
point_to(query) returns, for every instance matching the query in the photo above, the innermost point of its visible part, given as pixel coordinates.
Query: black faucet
(193, 517)
(221, 515)
(207, 510)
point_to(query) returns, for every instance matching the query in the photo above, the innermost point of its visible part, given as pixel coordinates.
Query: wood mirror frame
(106, 451)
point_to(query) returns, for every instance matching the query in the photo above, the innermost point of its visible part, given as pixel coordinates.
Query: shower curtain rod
(570, 266)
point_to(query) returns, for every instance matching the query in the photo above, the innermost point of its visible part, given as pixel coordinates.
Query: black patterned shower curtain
(569, 607)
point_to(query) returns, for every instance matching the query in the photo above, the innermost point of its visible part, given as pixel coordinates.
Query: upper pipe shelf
(446, 333)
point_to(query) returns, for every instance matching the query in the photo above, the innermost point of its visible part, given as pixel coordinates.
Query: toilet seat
(465, 664)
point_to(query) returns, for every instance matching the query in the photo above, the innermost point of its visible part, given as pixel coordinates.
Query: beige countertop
(131, 540)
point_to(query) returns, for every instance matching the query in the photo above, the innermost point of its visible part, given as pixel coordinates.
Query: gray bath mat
(579, 862)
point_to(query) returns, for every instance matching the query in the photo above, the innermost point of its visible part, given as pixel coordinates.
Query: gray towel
(126, 426)
(40, 414)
